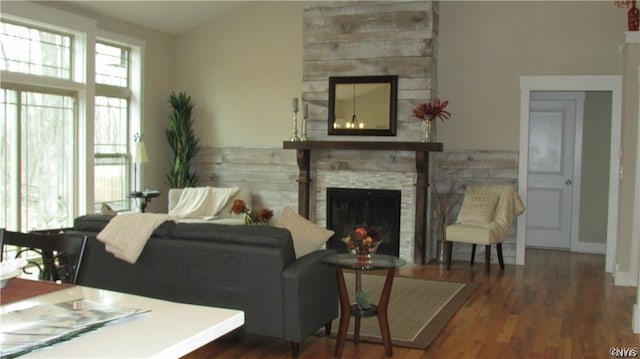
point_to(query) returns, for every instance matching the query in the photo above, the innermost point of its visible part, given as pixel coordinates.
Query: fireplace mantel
(421, 149)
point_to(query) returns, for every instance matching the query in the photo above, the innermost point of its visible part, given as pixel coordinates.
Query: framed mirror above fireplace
(363, 105)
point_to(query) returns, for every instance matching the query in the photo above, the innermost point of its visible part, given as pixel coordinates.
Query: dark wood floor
(560, 305)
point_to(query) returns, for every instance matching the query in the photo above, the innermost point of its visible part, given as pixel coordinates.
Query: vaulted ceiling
(173, 17)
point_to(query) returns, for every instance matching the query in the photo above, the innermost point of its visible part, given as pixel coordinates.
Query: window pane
(111, 184)
(35, 51)
(111, 148)
(111, 125)
(112, 65)
(8, 166)
(46, 160)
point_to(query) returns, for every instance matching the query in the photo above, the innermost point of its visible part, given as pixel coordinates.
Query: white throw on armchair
(486, 215)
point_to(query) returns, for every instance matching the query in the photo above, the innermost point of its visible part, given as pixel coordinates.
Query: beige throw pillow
(307, 236)
(477, 208)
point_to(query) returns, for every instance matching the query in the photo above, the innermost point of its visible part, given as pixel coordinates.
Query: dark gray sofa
(251, 268)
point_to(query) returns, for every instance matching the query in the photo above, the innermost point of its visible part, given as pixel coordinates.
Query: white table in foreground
(169, 330)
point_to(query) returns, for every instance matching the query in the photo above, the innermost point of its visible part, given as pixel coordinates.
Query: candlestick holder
(294, 132)
(304, 137)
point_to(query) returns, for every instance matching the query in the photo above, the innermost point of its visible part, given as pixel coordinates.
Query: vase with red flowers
(428, 113)
(633, 14)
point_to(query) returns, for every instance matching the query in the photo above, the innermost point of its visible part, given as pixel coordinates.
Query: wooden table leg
(356, 328)
(345, 312)
(383, 318)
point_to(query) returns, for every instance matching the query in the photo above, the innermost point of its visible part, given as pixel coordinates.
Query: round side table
(145, 197)
(347, 310)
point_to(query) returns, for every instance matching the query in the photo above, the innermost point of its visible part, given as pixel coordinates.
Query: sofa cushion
(307, 236)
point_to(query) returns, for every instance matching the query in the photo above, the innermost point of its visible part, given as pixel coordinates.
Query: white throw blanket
(126, 234)
(202, 202)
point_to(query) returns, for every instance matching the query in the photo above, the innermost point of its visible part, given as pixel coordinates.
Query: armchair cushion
(478, 208)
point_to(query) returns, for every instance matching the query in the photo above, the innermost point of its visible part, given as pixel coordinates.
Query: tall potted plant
(182, 140)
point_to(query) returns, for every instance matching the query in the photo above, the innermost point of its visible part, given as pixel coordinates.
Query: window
(37, 132)
(37, 179)
(111, 128)
(34, 51)
(65, 128)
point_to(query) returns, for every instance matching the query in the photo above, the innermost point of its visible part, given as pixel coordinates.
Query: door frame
(611, 83)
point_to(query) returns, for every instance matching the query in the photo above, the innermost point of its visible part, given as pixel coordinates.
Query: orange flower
(361, 231)
(264, 215)
(239, 206)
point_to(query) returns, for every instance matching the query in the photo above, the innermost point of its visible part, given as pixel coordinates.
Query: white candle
(295, 104)
(306, 110)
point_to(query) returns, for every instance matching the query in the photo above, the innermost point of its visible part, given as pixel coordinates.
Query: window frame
(52, 30)
(85, 33)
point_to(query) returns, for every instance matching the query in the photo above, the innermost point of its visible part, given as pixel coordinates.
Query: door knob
(567, 182)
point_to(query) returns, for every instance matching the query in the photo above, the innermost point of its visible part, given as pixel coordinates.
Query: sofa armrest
(310, 295)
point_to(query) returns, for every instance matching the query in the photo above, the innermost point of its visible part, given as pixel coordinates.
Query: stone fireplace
(370, 38)
(400, 166)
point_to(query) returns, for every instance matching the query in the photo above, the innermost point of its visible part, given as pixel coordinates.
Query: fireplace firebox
(348, 208)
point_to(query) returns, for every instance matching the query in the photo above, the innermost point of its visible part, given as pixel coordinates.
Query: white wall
(242, 70)
(485, 46)
(594, 186)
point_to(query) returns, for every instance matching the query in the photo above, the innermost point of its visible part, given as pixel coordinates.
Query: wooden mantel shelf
(421, 149)
(364, 145)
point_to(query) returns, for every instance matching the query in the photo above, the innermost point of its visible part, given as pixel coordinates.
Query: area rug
(418, 308)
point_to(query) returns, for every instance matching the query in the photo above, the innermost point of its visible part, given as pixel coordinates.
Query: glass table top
(376, 261)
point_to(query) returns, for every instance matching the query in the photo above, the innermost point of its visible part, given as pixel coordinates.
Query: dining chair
(60, 253)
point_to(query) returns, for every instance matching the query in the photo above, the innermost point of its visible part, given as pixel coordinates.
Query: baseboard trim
(625, 279)
(635, 319)
(590, 248)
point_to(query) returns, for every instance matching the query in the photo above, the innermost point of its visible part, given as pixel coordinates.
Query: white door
(552, 123)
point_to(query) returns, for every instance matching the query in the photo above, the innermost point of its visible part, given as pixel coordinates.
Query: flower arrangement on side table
(363, 242)
(428, 112)
(262, 216)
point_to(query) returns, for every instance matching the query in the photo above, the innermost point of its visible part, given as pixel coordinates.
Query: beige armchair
(486, 215)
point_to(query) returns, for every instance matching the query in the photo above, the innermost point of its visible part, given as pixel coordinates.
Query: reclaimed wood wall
(366, 38)
(271, 176)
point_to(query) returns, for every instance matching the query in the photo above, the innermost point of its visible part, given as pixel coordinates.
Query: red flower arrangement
(262, 216)
(432, 110)
(362, 241)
